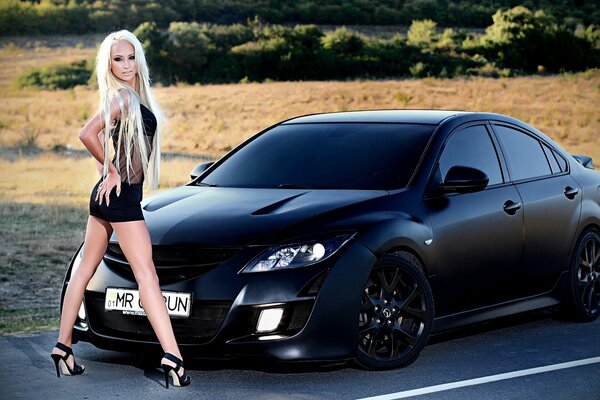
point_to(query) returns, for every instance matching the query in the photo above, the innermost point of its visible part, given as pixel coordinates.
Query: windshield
(326, 156)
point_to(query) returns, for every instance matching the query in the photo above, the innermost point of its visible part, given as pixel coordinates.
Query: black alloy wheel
(396, 313)
(584, 298)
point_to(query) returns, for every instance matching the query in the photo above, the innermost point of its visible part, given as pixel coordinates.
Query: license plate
(128, 301)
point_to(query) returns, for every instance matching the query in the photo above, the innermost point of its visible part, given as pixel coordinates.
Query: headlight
(296, 255)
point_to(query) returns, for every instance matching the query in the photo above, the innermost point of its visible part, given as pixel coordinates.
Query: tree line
(519, 41)
(18, 17)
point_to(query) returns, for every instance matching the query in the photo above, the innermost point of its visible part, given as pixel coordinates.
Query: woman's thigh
(134, 240)
(97, 234)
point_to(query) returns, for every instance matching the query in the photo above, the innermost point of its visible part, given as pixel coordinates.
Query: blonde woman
(129, 117)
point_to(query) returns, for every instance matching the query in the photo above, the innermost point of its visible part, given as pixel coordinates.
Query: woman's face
(122, 62)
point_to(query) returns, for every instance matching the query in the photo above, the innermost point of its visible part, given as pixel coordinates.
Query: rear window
(525, 155)
(326, 156)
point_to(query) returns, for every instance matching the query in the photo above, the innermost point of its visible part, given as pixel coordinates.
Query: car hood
(237, 216)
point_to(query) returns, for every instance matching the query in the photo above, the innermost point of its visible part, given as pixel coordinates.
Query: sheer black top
(136, 170)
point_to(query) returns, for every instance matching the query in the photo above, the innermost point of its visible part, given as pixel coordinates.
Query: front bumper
(321, 304)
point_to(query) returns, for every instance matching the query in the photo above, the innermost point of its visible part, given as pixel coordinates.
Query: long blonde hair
(131, 130)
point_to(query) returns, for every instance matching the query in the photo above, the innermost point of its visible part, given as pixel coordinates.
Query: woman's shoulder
(122, 100)
(125, 96)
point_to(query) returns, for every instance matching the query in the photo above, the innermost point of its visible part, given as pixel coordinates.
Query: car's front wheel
(583, 298)
(396, 313)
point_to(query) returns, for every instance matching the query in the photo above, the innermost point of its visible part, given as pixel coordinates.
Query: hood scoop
(161, 200)
(277, 207)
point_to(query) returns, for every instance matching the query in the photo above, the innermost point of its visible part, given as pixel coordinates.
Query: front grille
(173, 263)
(180, 255)
(200, 327)
(300, 314)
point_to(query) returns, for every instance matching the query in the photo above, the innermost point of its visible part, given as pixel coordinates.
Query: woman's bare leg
(134, 240)
(97, 235)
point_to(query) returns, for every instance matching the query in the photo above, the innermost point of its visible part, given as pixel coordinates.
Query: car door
(477, 237)
(551, 205)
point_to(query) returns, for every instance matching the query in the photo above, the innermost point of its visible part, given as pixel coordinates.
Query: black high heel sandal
(183, 380)
(61, 361)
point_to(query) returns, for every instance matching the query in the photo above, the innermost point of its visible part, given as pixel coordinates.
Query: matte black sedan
(355, 235)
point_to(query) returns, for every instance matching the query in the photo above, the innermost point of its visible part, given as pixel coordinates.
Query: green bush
(422, 33)
(58, 76)
(591, 34)
(525, 40)
(85, 16)
(156, 48)
(188, 51)
(518, 41)
(343, 42)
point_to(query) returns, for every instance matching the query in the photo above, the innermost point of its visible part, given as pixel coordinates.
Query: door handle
(571, 192)
(510, 207)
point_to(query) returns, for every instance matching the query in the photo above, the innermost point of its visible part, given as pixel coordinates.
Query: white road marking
(485, 379)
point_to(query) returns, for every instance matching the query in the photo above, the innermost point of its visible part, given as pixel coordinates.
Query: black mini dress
(126, 207)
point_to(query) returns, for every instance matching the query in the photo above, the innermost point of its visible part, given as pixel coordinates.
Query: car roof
(431, 117)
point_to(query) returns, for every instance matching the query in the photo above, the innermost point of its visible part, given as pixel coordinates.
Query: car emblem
(387, 313)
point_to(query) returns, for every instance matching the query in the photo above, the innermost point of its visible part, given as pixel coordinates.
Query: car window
(472, 147)
(525, 156)
(562, 163)
(327, 156)
(556, 169)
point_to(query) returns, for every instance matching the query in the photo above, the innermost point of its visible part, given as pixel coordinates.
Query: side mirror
(464, 180)
(199, 169)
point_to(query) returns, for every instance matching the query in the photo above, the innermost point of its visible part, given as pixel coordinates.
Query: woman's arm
(100, 167)
(91, 136)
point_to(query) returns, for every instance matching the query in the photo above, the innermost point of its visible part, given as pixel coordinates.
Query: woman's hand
(112, 181)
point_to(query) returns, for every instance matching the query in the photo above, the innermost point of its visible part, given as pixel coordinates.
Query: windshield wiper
(206, 184)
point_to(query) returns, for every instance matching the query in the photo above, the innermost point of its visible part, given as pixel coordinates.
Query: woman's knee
(145, 275)
(84, 272)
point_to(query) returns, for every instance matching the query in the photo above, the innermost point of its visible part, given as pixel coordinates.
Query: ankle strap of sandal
(174, 359)
(64, 348)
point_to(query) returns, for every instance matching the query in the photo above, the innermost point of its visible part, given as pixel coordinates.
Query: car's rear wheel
(396, 313)
(583, 298)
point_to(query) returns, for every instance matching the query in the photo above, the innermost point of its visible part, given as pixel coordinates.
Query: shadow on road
(149, 362)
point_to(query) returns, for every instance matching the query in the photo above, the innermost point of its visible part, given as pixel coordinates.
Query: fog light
(269, 319)
(271, 337)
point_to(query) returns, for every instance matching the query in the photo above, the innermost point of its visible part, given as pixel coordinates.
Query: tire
(583, 297)
(396, 313)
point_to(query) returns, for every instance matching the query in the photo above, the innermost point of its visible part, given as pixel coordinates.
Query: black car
(355, 235)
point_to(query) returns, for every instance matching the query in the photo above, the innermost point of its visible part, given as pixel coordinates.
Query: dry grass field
(43, 195)
(210, 119)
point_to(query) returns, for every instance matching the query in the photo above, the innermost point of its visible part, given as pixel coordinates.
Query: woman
(128, 114)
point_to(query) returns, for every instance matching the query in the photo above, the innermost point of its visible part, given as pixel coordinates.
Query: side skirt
(544, 300)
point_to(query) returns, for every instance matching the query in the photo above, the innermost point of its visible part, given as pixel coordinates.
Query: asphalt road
(515, 344)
